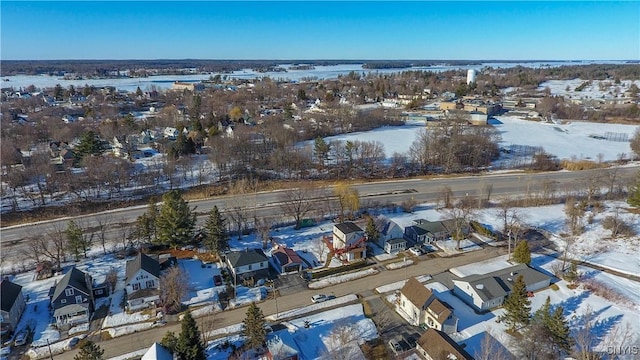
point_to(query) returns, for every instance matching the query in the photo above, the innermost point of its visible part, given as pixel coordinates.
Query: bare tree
(446, 195)
(104, 222)
(112, 279)
(263, 228)
(491, 349)
(461, 214)
(297, 202)
(174, 285)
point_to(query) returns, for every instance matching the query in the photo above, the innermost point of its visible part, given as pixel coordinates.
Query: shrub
(554, 287)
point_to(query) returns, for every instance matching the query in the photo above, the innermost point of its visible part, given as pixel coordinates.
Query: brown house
(436, 345)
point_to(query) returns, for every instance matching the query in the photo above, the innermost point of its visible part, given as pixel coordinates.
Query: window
(99, 292)
(68, 292)
(78, 299)
(63, 301)
(150, 284)
(136, 286)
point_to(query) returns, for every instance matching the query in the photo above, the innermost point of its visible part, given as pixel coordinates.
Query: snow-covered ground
(399, 264)
(322, 335)
(313, 307)
(599, 89)
(337, 279)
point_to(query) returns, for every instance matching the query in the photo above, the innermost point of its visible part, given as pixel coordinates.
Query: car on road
(415, 251)
(319, 298)
(217, 280)
(159, 323)
(21, 338)
(72, 343)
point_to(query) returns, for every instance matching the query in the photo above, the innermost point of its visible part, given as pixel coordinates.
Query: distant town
(197, 209)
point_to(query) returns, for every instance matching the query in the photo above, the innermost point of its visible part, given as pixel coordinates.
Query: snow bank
(337, 279)
(399, 264)
(314, 307)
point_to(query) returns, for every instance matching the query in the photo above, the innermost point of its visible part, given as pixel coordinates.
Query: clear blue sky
(321, 30)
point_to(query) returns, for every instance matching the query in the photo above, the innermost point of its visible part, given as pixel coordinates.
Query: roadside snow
(337, 279)
(399, 264)
(313, 307)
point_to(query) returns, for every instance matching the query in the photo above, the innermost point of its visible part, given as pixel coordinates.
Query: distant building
(471, 76)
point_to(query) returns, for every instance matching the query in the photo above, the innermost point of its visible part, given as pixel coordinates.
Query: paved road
(363, 287)
(392, 191)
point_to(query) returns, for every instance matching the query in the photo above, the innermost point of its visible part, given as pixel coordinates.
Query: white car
(21, 338)
(319, 298)
(5, 351)
(415, 251)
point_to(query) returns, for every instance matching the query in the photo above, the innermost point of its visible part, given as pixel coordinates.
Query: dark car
(217, 280)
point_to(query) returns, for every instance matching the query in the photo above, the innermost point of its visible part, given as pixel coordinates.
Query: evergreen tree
(175, 221)
(89, 351)
(321, 150)
(543, 314)
(138, 92)
(254, 327)
(572, 273)
(517, 305)
(372, 231)
(89, 145)
(522, 254)
(217, 239)
(560, 332)
(170, 341)
(75, 240)
(189, 345)
(145, 226)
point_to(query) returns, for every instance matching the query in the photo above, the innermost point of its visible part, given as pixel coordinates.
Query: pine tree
(572, 273)
(517, 305)
(75, 240)
(372, 231)
(175, 222)
(217, 239)
(559, 330)
(170, 341)
(145, 226)
(89, 351)
(189, 345)
(634, 190)
(522, 254)
(254, 327)
(543, 314)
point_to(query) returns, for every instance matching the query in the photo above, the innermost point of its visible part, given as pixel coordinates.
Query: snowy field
(599, 89)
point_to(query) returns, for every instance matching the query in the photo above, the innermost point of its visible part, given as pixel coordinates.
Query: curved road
(392, 191)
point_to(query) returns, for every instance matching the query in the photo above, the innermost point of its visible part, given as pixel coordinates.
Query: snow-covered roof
(157, 352)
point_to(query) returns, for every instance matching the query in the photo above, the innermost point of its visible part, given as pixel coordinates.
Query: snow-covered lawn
(337, 279)
(599, 89)
(201, 287)
(313, 307)
(245, 296)
(335, 333)
(450, 247)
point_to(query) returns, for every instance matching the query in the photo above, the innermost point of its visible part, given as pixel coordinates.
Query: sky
(476, 30)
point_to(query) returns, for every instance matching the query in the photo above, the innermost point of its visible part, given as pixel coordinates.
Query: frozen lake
(162, 82)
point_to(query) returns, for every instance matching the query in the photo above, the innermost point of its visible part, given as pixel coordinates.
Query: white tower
(471, 76)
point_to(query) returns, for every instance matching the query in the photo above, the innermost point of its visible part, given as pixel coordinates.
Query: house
(170, 133)
(425, 231)
(390, 235)
(248, 264)
(484, 292)
(142, 284)
(436, 345)
(13, 304)
(424, 309)
(157, 352)
(349, 241)
(124, 146)
(286, 260)
(281, 347)
(72, 298)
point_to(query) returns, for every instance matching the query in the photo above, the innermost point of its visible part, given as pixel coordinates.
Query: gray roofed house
(488, 291)
(143, 282)
(13, 305)
(72, 298)
(425, 231)
(248, 264)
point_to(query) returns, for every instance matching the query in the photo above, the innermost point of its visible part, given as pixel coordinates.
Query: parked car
(319, 298)
(72, 343)
(415, 251)
(21, 338)
(217, 280)
(5, 350)
(159, 323)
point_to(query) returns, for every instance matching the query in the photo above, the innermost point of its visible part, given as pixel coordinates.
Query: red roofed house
(286, 260)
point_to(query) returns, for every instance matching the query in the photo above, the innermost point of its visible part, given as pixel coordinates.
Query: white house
(391, 235)
(248, 264)
(424, 309)
(170, 133)
(488, 291)
(143, 282)
(349, 241)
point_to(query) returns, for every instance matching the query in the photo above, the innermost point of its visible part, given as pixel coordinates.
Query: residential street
(364, 286)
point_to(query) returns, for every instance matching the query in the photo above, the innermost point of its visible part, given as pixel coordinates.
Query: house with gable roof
(286, 260)
(424, 309)
(142, 284)
(437, 345)
(248, 264)
(391, 237)
(349, 241)
(487, 291)
(13, 305)
(72, 298)
(425, 231)
(157, 352)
